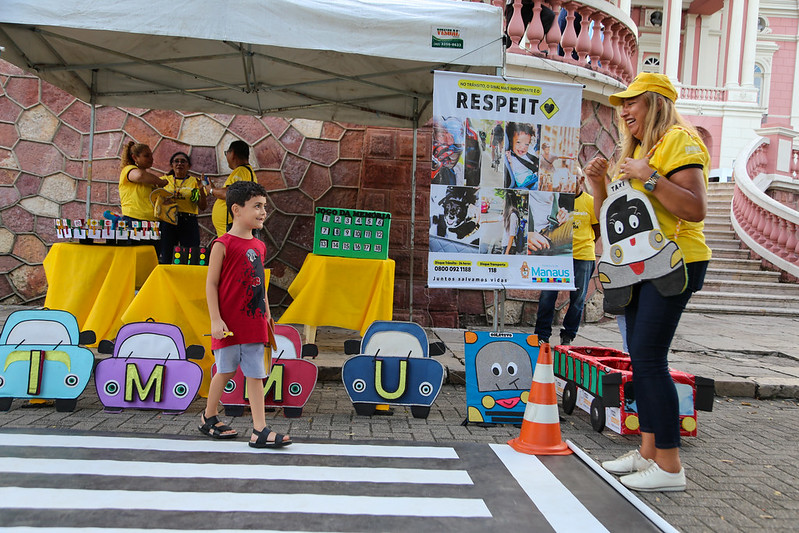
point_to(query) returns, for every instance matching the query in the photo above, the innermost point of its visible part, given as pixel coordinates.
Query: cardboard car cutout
(394, 367)
(499, 374)
(291, 379)
(149, 369)
(42, 358)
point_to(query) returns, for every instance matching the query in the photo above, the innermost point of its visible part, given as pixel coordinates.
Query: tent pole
(413, 205)
(89, 168)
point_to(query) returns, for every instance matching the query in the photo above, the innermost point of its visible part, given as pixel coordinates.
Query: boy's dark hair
(241, 149)
(239, 192)
(513, 128)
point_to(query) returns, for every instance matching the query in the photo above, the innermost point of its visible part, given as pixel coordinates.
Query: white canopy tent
(360, 61)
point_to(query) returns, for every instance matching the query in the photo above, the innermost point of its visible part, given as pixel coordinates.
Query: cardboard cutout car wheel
(569, 400)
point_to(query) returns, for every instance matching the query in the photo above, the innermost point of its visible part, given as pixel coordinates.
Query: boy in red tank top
(236, 293)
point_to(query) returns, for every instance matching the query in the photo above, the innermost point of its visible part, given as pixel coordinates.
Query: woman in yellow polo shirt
(663, 156)
(238, 159)
(190, 197)
(136, 184)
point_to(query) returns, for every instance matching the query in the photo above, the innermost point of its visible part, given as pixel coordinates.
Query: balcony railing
(703, 94)
(593, 34)
(769, 228)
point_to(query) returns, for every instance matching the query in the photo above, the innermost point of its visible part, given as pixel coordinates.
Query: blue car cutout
(394, 367)
(42, 358)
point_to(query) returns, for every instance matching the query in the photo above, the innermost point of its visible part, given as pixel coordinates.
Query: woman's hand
(636, 169)
(597, 171)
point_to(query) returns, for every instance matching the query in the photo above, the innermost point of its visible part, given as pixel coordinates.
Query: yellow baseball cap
(646, 81)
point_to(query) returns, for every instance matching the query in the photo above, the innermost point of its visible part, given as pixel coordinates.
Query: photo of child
(550, 231)
(448, 136)
(521, 159)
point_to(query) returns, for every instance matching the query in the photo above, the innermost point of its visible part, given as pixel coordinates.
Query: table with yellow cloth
(341, 291)
(96, 282)
(175, 294)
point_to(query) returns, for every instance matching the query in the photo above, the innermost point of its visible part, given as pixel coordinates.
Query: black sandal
(211, 429)
(262, 442)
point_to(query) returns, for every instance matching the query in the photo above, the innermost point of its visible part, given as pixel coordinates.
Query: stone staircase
(734, 283)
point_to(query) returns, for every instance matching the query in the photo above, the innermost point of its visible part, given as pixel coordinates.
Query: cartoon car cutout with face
(291, 378)
(600, 382)
(42, 358)
(634, 248)
(394, 367)
(499, 374)
(149, 368)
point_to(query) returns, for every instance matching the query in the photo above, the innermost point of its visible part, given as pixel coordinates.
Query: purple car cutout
(149, 369)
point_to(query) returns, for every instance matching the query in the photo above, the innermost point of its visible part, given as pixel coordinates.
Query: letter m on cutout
(133, 381)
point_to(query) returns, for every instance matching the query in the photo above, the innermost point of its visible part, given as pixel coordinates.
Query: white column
(670, 43)
(750, 45)
(689, 58)
(734, 43)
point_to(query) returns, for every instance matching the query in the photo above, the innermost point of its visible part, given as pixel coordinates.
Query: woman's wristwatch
(649, 184)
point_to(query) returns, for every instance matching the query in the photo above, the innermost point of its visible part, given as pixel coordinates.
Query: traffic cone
(540, 433)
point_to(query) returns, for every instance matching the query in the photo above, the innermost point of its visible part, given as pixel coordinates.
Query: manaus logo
(447, 38)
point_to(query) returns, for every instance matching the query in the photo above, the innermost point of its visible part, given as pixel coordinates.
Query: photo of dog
(458, 214)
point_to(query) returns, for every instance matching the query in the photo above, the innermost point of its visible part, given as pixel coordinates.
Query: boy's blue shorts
(250, 357)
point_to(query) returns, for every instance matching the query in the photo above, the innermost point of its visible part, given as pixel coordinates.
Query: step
(734, 264)
(730, 253)
(722, 243)
(711, 234)
(779, 301)
(718, 219)
(750, 287)
(718, 210)
(742, 275)
(740, 310)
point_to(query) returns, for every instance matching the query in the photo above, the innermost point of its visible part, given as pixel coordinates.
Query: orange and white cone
(540, 433)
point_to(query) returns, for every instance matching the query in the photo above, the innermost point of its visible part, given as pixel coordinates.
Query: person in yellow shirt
(661, 155)
(190, 197)
(136, 184)
(585, 231)
(238, 159)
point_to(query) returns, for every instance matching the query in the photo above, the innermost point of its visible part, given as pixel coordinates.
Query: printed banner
(504, 179)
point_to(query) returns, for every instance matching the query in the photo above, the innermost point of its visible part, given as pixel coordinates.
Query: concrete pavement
(743, 468)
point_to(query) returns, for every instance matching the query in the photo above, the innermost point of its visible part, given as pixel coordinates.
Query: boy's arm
(218, 326)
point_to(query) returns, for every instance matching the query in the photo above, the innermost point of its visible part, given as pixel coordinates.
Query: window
(651, 64)
(759, 78)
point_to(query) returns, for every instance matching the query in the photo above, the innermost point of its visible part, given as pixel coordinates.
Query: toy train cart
(600, 381)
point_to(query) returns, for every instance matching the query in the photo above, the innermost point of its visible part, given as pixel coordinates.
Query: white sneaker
(627, 464)
(655, 479)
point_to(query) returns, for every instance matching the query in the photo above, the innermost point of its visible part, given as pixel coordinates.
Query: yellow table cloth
(175, 294)
(341, 291)
(96, 283)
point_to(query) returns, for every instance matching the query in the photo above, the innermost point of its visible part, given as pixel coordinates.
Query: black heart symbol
(549, 108)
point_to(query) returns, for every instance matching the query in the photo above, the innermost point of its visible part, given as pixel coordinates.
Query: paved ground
(743, 468)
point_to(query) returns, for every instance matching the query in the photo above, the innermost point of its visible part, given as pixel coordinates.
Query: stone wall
(44, 143)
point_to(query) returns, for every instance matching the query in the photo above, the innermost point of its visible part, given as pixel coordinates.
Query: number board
(351, 233)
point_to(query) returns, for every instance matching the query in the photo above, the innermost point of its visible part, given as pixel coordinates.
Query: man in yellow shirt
(586, 230)
(238, 159)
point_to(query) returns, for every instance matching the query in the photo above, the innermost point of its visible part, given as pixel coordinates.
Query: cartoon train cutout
(149, 368)
(499, 374)
(599, 381)
(634, 248)
(393, 367)
(43, 358)
(291, 378)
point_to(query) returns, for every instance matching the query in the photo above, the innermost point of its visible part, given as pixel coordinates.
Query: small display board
(351, 233)
(110, 230)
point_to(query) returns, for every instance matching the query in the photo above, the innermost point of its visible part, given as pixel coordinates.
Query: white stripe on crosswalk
(560, 507)
(39, 498)
(233, 471)
(217, 446)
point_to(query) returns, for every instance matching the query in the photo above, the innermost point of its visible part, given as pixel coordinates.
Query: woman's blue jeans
(652, 320)
(546, 303)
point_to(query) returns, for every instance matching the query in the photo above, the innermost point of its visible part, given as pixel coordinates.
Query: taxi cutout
(149, 369)
(394, 367)
(42, 358)
(291, 378)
